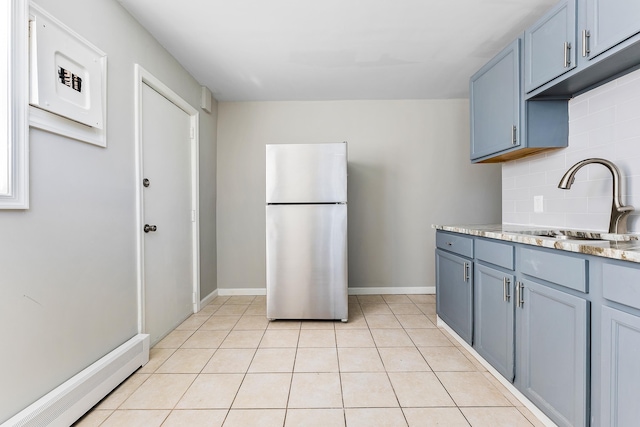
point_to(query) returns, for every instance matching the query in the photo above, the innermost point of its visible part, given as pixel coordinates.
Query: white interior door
(167, 206)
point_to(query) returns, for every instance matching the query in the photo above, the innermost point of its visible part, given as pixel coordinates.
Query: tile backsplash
(604, 122)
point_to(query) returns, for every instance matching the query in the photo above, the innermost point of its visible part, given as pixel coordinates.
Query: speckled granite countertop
(625, 247)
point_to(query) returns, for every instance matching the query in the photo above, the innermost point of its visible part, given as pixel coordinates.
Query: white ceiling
(274, 50)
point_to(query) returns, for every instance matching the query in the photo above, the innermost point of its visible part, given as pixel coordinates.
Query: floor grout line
(363, 308)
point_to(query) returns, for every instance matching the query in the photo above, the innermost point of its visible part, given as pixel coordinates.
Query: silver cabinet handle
(519, 294)
(514, 135)
(585, 43)
(465, 271)
(567, 54)
(505, 289)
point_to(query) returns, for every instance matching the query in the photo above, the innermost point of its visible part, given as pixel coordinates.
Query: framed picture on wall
(67, 79)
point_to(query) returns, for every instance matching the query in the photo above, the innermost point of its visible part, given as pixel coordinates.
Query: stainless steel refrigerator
(306, 216)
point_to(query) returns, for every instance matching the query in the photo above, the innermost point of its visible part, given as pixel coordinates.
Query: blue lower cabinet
(454, 292)
(563, 327)
(552, 351)
(494, 318)
(620, 374)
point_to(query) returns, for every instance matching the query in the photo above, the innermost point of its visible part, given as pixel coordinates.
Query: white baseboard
(241, 291)
(521, 397)
(409, 290)
(206, 300)
(412, 290)
(72, 399)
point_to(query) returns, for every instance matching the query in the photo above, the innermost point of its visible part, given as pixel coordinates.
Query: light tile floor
(388, 366)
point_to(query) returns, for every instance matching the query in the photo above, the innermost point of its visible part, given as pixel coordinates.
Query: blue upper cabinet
(504, 126)
(608, 23)
(604, 40)
(495, 104)
(550, 46)
(518, 100)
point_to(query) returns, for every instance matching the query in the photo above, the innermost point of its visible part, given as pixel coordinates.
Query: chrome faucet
(619, 212)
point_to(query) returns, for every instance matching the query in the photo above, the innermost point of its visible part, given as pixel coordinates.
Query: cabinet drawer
(560, 269)
(621, 284)
(455, 243)
(500, 254)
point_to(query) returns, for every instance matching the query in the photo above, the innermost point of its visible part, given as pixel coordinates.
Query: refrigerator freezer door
(306, 173)
(307, 262)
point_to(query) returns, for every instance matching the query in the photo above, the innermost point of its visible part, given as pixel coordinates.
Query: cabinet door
(493, 312)
(454, 292)
(610, 22)
(620, 368)
(495, 104)
(552, 352)
(550, 46)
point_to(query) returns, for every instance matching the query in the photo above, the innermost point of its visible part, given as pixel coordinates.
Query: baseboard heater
(72, 399)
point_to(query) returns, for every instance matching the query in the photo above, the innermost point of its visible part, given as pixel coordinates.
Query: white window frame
(17, 196)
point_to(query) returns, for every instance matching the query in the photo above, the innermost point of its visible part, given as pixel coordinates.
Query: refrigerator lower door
(307, 262)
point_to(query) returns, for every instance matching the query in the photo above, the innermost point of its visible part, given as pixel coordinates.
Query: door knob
(148, 228)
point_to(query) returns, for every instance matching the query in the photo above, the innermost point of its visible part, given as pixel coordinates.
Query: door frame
(142, 77)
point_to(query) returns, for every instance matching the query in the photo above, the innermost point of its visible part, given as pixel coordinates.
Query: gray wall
(408, 169)
(68, 265)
